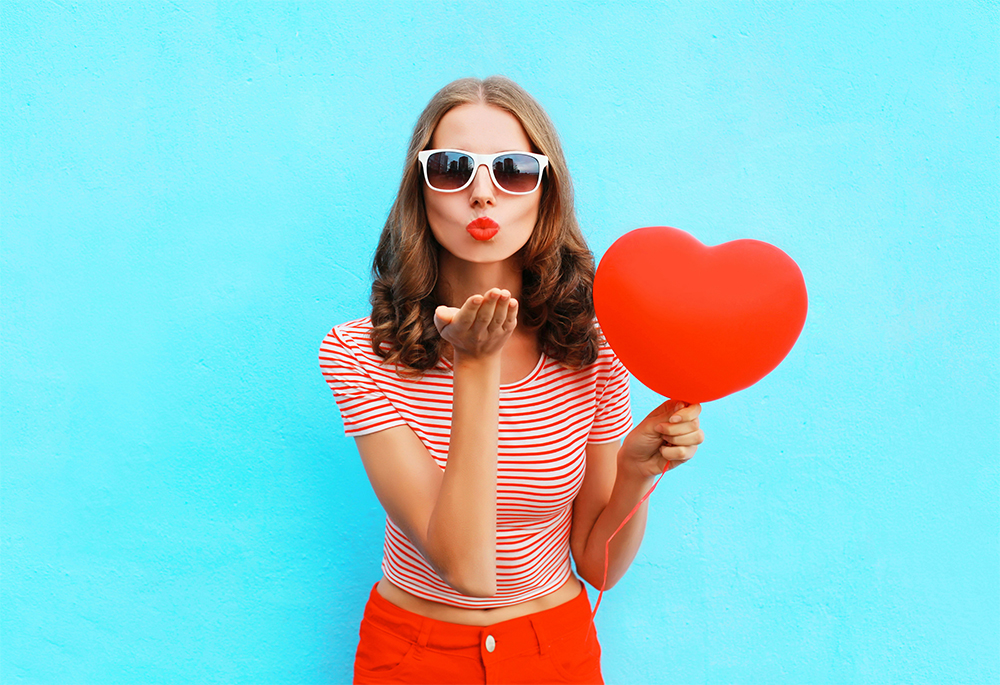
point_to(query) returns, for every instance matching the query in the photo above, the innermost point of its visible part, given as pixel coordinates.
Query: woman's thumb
(443, 316)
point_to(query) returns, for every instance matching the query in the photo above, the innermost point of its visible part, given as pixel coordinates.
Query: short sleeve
(613, 419)
(363, 405)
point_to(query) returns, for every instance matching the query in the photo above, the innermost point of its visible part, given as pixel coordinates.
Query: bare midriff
(477, 617)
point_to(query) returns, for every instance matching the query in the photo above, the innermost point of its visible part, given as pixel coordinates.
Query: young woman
(488, 411)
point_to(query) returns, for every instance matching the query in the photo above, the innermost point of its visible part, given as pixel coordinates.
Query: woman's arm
(450, 516)
(617, 478)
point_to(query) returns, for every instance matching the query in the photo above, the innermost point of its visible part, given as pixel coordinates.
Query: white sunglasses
(449, 171)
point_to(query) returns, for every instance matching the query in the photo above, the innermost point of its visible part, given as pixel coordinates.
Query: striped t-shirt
(546, 420)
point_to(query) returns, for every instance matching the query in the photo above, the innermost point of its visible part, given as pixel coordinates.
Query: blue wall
(191, 196)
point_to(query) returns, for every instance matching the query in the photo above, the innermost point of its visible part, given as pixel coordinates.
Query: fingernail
(675, 419)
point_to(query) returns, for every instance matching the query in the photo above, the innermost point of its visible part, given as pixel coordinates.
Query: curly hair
(558, 268)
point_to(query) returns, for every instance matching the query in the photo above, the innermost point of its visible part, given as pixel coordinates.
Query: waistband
(521, 635)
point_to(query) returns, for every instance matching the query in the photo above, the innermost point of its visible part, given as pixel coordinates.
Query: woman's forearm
(629, 488)
(461, 533)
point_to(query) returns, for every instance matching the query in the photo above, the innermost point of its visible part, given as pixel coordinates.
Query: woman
(488, 411)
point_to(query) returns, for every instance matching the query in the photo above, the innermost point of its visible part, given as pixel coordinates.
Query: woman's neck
(458, 280)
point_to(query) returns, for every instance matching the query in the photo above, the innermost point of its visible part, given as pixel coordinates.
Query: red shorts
(551, 646)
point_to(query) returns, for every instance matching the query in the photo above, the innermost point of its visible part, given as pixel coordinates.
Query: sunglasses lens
(516, 173)
(448, 170)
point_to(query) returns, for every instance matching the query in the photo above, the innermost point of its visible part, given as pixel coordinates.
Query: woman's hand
(665, 439)
(482, 326)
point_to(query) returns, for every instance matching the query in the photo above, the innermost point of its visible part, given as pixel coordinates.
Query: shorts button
(491, 644)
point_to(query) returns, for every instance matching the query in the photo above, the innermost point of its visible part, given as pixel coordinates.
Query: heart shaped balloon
(694, 322)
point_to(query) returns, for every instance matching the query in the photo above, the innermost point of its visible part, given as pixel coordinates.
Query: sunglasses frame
(487, 161)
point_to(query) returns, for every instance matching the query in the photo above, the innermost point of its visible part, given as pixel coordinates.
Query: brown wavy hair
(558, 267)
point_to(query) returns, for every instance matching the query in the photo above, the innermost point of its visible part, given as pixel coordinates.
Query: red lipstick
(483, 228)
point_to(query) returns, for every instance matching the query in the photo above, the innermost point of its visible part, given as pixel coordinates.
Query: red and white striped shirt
(546, 421)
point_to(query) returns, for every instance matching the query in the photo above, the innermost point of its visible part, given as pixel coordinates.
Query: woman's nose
(483, 190)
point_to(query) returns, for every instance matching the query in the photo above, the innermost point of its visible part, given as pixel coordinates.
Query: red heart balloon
(693, 322)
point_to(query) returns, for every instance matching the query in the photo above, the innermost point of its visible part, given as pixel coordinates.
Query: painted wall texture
(191, 195)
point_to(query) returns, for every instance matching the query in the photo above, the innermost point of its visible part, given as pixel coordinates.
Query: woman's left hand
(665, 439)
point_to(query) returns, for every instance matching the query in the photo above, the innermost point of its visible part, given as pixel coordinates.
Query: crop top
(546, 420)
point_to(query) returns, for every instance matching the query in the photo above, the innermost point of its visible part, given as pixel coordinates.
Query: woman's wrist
(631, 472)
(476, 363)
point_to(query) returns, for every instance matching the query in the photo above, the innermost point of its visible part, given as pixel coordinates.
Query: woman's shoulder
(354, 329)
(604, 363)
(350, 336)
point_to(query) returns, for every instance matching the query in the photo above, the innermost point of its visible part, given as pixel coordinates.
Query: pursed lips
(483, 228)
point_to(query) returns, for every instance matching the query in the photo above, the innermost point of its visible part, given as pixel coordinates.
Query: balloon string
(607, 547)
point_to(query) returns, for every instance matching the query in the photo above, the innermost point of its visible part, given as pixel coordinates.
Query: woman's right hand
(482, 326)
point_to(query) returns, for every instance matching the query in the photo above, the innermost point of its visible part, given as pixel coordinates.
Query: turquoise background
(191, 194)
